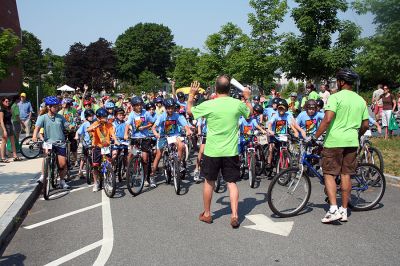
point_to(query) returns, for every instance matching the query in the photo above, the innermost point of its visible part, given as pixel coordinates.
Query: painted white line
(65, 192)
(63, 216)
(108, 232)
(75, 254)
(265, 224)
(80, 188)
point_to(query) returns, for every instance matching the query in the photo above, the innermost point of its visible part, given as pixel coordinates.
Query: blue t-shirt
(247, 126)
(182, 108)
(168, 125)
(139, 120)
(203, 126)
(280, 123)
(371, 121)
(82, 130)
(119, 128)
(53, 127)
(269, 113)
(153, 119)
(25, 108)
(308, 123)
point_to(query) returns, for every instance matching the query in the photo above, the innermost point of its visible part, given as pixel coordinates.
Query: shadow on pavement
(15, 259)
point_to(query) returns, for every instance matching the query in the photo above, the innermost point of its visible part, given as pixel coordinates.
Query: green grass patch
(391, 153)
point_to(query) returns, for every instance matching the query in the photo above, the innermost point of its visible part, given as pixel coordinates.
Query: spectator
(377, 102)
(324, 93)
(7, 130)
(388, 106)
(16, 121)
(25, 113)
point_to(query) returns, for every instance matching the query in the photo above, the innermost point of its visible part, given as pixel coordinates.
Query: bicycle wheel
(176, 176)
(289, 199)
(242, 161)
(135, 176)
(30, 149)
(53, 171)
(252, 169)
(373, 156)
(368, 186)
(283, 164)
(88, 170)
(109, 181)
(167, 168)
(218, 183)
(46, 179)
(260, 161)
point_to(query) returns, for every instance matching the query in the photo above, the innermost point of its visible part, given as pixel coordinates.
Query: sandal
(4, 161)
(16, 159)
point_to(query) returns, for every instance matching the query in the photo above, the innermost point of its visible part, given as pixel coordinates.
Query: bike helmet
(236, 96)
(67, 101)
(180, 95)
(87, 102)
(150, 105)
(177, 106)
(169, 103)
(347, 75)
(276, 100)
(109, 105)
(51, 100)
(258, 108)
(311, 104)
(256, 98)
(159, 99)
(101, 112)
(320, 103)
(119, 110)
(282, 102)
(88, 112)
(136, 100)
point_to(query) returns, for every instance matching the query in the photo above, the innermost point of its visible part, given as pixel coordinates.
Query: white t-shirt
(377, 93)
(324, 96)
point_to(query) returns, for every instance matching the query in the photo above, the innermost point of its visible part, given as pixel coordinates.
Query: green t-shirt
(350, 110)
(313, 96)
(222, 116)
(15, 112)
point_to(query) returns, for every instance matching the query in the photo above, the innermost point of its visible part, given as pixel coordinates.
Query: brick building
(9, 20)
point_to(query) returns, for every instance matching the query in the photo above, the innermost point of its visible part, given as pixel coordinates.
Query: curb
(392, 180)
(12, 218)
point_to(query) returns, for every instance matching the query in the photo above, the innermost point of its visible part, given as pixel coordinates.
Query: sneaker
(196, 177)
(96, 187)
(63, 185)
(343, 213)
(146, 183)
(153, 183)
(40, 179)
(331, 217)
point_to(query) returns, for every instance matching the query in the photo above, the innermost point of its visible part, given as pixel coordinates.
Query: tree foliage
(8, 45)
(148, 82)
(185, 62)
(31, 56)
(77, 66)
(146, 46)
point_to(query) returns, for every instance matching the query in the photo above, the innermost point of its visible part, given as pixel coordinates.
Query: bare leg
(234, 198)
(3, 148)
(14, 150)
(346, 189)
(330, 185)
(208, 190)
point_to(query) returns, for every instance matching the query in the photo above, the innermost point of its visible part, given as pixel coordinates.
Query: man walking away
(221, 151)
(25, 113)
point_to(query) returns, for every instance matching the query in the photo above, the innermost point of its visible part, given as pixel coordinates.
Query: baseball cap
(23, 94)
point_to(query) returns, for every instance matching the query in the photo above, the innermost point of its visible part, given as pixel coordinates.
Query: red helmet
(87, 102)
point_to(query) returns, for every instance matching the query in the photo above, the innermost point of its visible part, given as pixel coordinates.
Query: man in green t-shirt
(221, 152)
(346, 118)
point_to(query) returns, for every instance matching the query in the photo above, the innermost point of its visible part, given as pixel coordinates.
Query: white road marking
(63, 216)
(65, 192)
(80, 188)
(265, 224)
(108, 232)
(75, 254)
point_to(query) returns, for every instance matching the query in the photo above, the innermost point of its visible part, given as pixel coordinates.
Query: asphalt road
(161, 228)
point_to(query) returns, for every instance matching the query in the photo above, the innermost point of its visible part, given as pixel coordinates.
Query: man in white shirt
(377, 102)
(324, 93)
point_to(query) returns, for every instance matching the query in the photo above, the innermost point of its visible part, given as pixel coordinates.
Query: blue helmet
(67, 101)
(137, 100)
(88, 112)
(169, 102)
(159, 99)
(101, 112)
(51, 100)
(109, 105)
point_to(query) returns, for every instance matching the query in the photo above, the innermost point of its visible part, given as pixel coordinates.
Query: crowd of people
(225, 119)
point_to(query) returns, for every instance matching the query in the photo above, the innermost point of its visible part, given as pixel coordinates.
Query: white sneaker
(96, 187)
(146, 183)
(153, 183)
(40, 179)
(196, 177)
(343, 213)
(331, 217)
(63, 185)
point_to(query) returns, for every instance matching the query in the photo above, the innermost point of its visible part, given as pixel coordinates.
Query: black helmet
(150, 105)
(347, 75)
(169, 103)
(180, 95)
(320, 103)
(159, 99)
(101, 112)
(282, 102)
(258, 108)
(236, 96)
(256, 98)
(119, 110)
(88, 112)
(311, 104)
(276, 100)
(136, 100)
(177, 106)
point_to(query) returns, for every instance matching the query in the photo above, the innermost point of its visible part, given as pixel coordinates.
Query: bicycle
(88, 166)
(30, 149)
(248, 159)
(107, 175)
(289, 199)
(171, 164)
(135, 174)
(119, 164)
(368, 154)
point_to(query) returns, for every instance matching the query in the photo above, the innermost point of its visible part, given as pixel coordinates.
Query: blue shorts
(161, 143)
(60, 151)
(242, 144)
(119, 147)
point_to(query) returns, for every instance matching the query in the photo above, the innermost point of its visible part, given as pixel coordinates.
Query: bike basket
(47, 145)
(282, 138)
(263, 139)
(135, 150)
(171, 140)
(105, 150)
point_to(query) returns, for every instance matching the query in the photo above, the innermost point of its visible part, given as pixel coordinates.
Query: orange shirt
(102, 135)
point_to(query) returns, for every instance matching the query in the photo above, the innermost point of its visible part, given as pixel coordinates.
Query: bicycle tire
(167, 168)
(46, 181)
(109, 181)
(120, 165)
(242, 161)
(88, 172)
(360, 179)
(294, 183)
(218, 183)
(53, 171)
(176, 176)
(285, 164)
(31, 146)
(260, 161)
(252, 169)
(135, 176)
(372, 151)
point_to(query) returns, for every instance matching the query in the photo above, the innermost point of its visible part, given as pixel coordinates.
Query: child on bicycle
(247, 128)
(166, 125)
(102, 131)
(279, 125)
(120, 125)
(87, 138)
(258, 114)
(270, 112)
(309, 120)
(110, 106)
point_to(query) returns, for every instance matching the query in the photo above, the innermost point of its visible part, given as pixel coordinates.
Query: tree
(31, 56)
(312, 54)
(51, 82)
(101, 64)
(8, 45)
(148, 82)
(146, 46)
(76, 62)
(379, 59)
(185, 61)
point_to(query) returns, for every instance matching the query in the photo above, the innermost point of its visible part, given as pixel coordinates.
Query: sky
(61, 23)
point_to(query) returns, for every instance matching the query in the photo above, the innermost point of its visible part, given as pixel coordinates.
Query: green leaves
(8, 45)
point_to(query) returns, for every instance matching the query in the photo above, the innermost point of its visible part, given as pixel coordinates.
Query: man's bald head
(223, 84)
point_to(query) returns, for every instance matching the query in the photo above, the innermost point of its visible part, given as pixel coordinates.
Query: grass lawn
(391, 153)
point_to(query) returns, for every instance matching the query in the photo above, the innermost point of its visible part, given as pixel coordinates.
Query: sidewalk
(17, 190)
